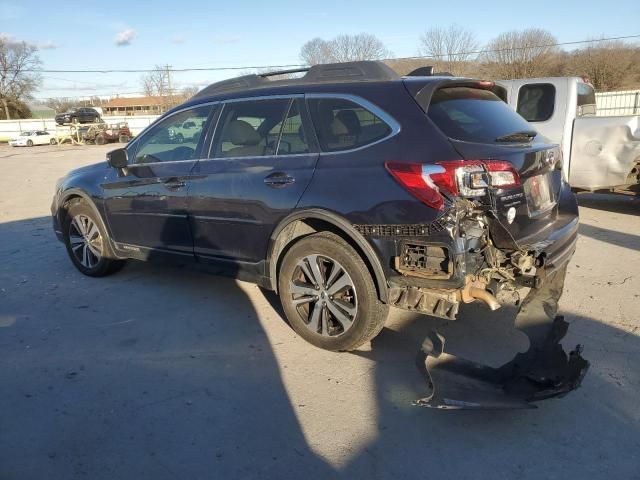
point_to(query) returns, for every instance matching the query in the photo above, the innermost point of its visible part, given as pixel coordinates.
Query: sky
(189, 33)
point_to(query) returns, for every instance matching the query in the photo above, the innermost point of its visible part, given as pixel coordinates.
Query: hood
(94, 168)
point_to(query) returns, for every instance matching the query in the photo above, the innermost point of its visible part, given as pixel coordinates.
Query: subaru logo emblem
(550, 159)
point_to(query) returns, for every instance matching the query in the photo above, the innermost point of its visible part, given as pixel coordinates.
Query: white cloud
(125, 37)
(226, 39)
(12, 40)
(48, 45)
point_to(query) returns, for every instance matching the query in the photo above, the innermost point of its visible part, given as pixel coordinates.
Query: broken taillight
(464, 178)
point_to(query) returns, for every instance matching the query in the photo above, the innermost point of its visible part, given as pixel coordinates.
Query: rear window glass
(343, 125)
(536, 101)
(473, 115)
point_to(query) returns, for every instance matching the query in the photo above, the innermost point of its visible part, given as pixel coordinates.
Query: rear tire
(87, 242)
(100, 140)
(328, 294)
(123, 139)
(53, 141)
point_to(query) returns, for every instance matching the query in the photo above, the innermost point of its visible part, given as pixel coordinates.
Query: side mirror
(118, 158)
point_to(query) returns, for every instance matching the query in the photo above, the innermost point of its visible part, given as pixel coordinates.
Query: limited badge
(511, 215)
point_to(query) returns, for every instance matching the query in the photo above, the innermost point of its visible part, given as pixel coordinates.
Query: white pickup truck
(599, 153)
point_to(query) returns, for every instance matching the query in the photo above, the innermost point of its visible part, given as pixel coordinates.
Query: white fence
(11, 128)
(625, 102)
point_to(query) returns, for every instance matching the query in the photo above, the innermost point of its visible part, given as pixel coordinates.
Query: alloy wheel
(85, 241)
(324, 295)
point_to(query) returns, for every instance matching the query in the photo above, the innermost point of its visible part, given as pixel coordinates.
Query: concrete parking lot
(160, 372)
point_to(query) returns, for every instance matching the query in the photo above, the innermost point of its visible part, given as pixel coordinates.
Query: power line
(298, 65)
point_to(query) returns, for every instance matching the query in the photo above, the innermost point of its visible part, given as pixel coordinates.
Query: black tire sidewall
(105, 264)
(369, 309)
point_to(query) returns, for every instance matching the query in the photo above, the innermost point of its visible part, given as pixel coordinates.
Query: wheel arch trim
(74, 193)
(342, 224)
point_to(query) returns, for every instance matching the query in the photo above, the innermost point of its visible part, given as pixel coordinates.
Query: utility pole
(169, 86)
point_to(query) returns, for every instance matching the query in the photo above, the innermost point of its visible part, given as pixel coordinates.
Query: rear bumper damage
(544, 371)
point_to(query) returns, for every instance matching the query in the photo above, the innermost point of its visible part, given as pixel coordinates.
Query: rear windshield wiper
(523, 136)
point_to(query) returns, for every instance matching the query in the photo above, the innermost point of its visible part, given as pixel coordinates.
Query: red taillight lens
(502, 174)
(466, 178)
(417, 179)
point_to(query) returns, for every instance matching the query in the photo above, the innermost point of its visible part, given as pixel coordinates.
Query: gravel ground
(159, 372)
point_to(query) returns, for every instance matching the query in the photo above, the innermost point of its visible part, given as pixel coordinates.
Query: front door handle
(279, 180)
(174, 183)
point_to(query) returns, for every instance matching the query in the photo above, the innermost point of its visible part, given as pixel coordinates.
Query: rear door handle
(279, 180)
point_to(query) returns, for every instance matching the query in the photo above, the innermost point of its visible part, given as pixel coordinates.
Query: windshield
(26, 134)
(474, 115)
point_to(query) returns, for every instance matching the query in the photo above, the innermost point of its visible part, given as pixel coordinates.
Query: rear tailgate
(480, 126)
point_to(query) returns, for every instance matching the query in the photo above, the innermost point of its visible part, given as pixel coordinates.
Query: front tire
(29, 143)
(328, 294)
(86, 242)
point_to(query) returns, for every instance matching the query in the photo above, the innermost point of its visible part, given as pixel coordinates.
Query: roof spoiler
(427, 72)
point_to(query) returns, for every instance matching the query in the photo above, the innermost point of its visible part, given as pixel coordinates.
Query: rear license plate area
(539, 193)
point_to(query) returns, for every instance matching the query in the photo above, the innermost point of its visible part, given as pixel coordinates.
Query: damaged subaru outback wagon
(348, 190)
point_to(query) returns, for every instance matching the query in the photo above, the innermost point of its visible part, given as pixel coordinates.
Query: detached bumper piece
(544, 371)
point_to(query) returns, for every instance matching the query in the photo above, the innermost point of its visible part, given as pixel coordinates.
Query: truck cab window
(536, 101)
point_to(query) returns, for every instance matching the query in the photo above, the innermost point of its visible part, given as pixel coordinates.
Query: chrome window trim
(261, 156)
(366, 104)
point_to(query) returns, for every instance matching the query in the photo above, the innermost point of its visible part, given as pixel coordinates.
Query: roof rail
(329, 72)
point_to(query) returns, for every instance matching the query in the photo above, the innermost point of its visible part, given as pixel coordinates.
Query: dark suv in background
(346, 190)
(78, 115)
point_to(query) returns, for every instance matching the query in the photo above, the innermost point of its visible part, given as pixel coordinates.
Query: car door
(260, 162)
(146, 203)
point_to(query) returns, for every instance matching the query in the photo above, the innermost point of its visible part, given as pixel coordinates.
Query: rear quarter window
(344, 125)
(473, 115)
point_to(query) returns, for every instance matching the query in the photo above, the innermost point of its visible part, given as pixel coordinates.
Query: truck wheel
(123, 138)
(100, 140)
(328, 294)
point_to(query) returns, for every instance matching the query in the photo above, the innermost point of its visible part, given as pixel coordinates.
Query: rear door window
(536, 101)
(342, 124)
(250, 128)
(473, 115)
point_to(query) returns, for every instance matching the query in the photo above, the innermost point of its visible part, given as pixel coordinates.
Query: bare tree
(609, 65)
(343, 48)
(18, 60)
(61, 104)
(520, 54)
(449, 47)
(157, 83)
(315, 51)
